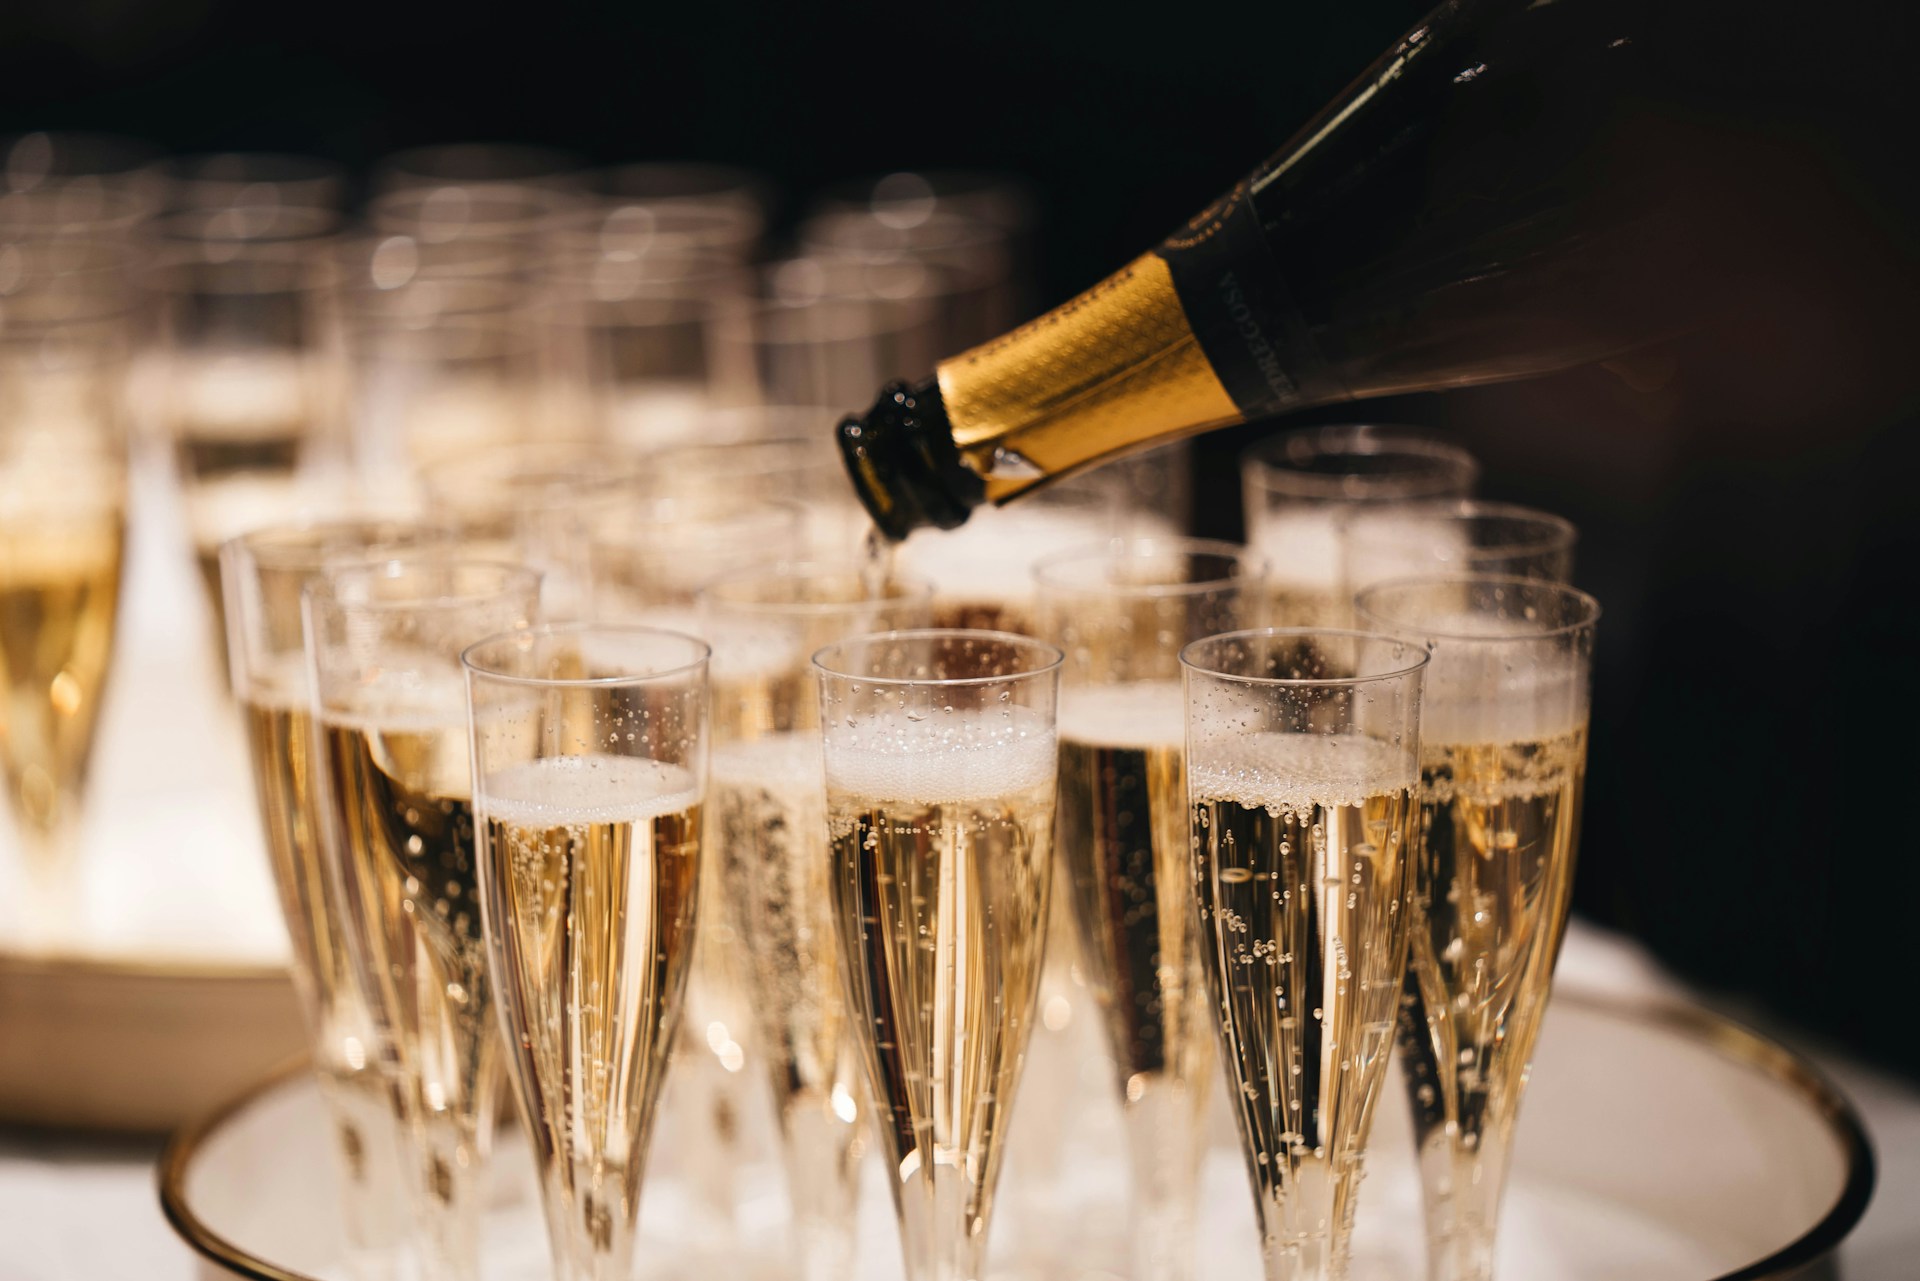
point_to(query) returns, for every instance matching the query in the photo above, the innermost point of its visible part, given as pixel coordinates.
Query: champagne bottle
(1514, 187)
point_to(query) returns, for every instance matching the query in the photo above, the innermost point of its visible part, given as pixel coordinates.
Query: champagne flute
(64, 350)
(1302, 487)
(1302, 749)
(589, 767)
(769, 843)
(528, 503)
(264, 573)
(982, 573)
(1502, 768)
(650, 550)
(940, 758)
(1462, 536)
(1121, 612)
(637, 313)
(250, 365)
(383, 644)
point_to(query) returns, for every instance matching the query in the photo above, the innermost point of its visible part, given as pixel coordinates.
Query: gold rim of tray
(1732, 1040)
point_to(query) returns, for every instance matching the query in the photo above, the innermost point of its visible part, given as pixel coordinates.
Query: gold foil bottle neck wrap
(1115, 368)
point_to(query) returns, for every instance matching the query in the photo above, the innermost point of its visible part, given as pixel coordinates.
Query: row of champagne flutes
(897, 916)
(278, 359)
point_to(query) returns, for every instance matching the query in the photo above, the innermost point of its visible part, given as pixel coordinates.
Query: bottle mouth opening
(903, 462)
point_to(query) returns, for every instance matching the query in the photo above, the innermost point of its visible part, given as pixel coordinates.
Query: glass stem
(367, 1143)
(1306, 1220)
(822, 1153)
(1461, 1181)
(1165, 1139)
(939, 1242)
(451, 1147)
(54, 907)
(592, 1220)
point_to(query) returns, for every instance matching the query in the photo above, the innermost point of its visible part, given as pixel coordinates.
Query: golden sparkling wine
(59, 592)
(770, 833)
(1301, 847)
(1500, 823)
(240, 427)
(346, 1051)
(405, 820)
(941, 864)
(593, 866)
(1124, 844)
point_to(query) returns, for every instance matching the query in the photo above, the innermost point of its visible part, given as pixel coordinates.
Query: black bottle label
(1238, 307)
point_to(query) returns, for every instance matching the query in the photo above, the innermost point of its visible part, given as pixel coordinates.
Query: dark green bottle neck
(904, 464)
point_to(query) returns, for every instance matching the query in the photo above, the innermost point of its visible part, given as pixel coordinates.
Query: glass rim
(261, 543)
(995, 196)
(1555, 530)
(471, 663)
(916, 590)
(485, 211)
(239, 227)
(1120, 550)
(1265, 462)
(321, 588)
(638, 509)
(476, 164)
(793, 324)
(1015, 640)
(661, 182)
(489, 478)
(1565, 591)
(1193, 665)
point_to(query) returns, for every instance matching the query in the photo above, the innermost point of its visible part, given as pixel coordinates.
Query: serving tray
(1659, 1143)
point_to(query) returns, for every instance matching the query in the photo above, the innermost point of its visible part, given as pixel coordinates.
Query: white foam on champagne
(1296, 772)
(570, 791)
(278, 682)
(777, 761)
(991, 557)
(942, 756)
(1140, 714)
(1503, 689)
(401, 699)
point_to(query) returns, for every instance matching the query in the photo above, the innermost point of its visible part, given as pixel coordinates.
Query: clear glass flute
(1302, 757)
(982, 573)
(811, 344)
(77, 166)
(389, 700)
(653, 185)
(255, 180)
(265, 573)
(1462, 536)
(1502, 768)
(1302, 487)
(64, 353)
(768, 857)
(440, 365)
(249, 365)
(775, 457)
(639, 318)
(651, 549)
(477, 166)
(589, 768)
(530, 504)
(940, 759)
(1121, 613)
(967, 261)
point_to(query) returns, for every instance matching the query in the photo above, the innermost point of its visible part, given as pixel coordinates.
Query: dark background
(1745, 496)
